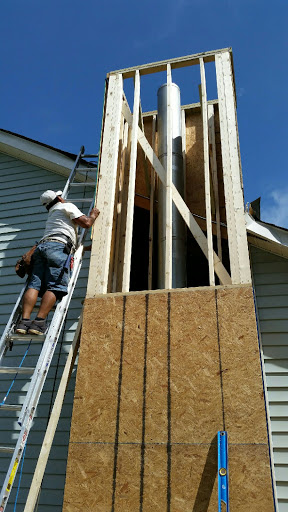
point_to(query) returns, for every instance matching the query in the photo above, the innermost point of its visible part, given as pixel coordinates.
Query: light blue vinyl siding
(22, 220)
(270, 275)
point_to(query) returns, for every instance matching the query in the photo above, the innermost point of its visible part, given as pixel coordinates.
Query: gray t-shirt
(60, 220)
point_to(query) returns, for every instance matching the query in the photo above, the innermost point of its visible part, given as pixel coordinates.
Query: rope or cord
(13, 381)
(20, 476)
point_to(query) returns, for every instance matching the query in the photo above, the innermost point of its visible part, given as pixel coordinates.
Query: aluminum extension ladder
(39, 373)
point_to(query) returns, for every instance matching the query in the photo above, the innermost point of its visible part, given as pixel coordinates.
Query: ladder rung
(89, 156)
(83, 200)
(7, 407)
(88, 169)
(15, 369)
(84, 184)
(27, 337)
(6, 449)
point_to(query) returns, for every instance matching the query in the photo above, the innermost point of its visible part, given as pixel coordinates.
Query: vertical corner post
(234, 201)
(102, 233)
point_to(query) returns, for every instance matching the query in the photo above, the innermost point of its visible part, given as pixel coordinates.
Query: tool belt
(23, 266)
(69, 246)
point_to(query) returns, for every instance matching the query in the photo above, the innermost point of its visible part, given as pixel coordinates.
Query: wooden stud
(151, 219)
(131, 188)
(178, 200)
(211, 131)
(119, 204)
(207, 173)
(237, 237)
(123, 218)
(168, 191)
(183, 122)
(101, 244)
(184, 210)
(53, 422)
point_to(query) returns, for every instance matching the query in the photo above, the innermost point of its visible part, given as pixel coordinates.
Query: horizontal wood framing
(181, 62)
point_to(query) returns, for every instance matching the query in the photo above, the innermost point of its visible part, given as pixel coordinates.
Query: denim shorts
(48, 272)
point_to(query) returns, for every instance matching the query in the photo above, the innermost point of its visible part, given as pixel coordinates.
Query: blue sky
(55, 56)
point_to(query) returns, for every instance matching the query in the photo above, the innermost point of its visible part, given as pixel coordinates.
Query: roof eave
(267, 236)
(35, 154)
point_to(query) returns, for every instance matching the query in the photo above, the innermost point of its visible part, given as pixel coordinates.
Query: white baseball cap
(49, 196)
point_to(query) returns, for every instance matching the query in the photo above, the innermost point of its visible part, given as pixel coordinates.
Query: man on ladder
(51, 260)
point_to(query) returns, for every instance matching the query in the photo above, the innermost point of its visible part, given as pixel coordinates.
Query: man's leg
(29, 301)
(47, 303)
(39, 325)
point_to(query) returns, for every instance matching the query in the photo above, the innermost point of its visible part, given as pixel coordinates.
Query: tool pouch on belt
(23, 266)
(68, 247)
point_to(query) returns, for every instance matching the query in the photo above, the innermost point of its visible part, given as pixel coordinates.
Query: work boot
(38, 327)
(23, 326)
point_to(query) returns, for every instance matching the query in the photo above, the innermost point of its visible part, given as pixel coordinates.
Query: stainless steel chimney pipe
(178, 226)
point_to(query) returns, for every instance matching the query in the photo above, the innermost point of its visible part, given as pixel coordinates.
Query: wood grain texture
(159, 374)
(241, 372)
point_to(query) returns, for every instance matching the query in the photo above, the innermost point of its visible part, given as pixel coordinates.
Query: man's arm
(87, 222)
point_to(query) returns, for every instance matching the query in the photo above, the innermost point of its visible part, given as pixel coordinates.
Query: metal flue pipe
(178, 226)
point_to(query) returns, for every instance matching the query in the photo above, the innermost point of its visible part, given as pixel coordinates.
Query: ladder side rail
(16, 458)
(32, 398)
(8, 327)
(40, 373)
(72, 173)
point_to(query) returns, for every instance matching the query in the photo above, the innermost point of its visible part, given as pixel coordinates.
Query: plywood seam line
(143, 442)
(220, 361)
(169, 417)
(116, 442)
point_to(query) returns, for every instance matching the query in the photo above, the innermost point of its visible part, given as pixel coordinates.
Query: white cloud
(276, 211)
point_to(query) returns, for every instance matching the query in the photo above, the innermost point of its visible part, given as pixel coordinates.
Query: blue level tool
(223, 492)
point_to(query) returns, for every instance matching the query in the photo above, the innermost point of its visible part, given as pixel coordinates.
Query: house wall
(270, 275)
(22, 220)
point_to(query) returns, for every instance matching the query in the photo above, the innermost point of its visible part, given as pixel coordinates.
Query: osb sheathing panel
(159, 374)
(195, 185)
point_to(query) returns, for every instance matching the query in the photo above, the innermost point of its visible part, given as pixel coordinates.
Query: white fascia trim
(269, 233)
(35, 154)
